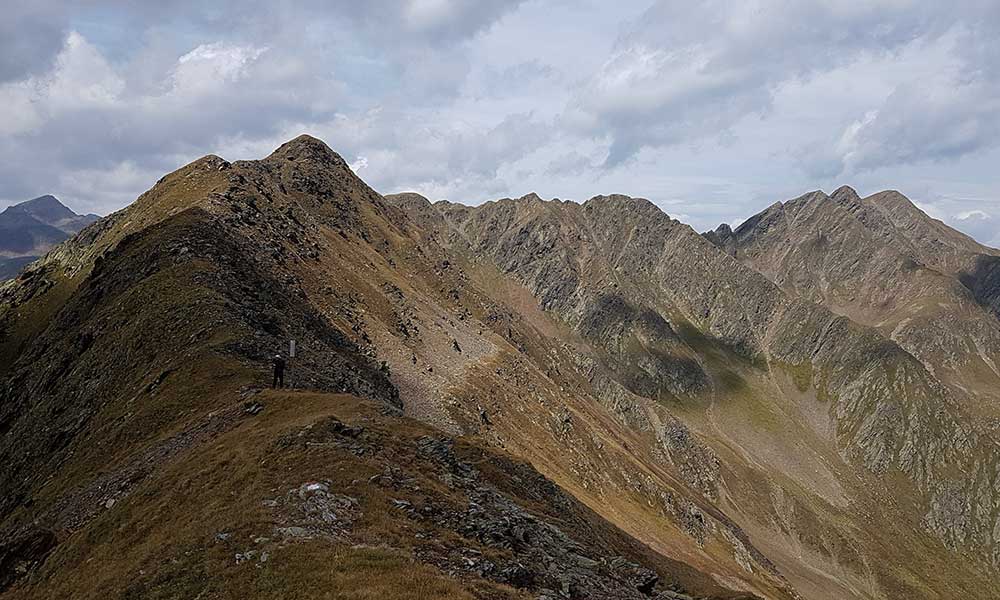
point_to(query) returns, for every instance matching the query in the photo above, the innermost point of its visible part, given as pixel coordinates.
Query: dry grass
(165, 536)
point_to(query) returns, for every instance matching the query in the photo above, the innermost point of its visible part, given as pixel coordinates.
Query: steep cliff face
(694, 426)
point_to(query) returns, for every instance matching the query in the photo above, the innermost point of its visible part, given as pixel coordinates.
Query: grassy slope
(178, 533)
(162, 541)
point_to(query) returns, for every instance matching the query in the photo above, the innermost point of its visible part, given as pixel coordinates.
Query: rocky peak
(761, 221)
(622, 205)
(209, 162)
(32, 228)
(891, 199)
(46, 209)
(306, 148)
(899, 209)
(813, 198)
(937, 244)
(845, 194)
(722, 237)
(723, 230)
(407, 199)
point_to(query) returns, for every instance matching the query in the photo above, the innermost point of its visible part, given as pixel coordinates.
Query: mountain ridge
(843, 253)
(746, 435)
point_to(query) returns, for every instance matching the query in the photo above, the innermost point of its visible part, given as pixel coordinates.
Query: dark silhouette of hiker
(279, 371)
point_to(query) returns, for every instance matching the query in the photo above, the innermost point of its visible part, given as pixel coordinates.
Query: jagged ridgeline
(523, 399)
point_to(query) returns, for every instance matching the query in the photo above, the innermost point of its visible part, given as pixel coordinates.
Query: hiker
(279, 371)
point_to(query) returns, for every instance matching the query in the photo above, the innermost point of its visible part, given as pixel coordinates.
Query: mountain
(523, 399)
(48, 210)
(29, 229)
(882, 262)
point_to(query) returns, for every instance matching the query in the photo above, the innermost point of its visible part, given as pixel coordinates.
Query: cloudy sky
(713, 110)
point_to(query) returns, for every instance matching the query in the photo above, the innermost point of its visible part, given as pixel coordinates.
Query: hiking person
(279, 371)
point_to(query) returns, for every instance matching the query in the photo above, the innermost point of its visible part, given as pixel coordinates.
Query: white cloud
(571, 163)
(116, 184)
(683, 72)
(21, 113)
(935, 120)
(712, 110)
(359, 164)
(427, 14)
(975, 214)
(82, 78)
(210, 66)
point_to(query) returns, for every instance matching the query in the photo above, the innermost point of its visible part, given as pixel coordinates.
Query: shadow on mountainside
(984, 282)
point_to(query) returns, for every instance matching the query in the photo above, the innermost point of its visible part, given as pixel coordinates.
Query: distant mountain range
(29, 229)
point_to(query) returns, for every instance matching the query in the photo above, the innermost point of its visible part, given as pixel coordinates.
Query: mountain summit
(46, 209)
(31, 228)
(883, 263)
(525, 399)
(306, 148)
